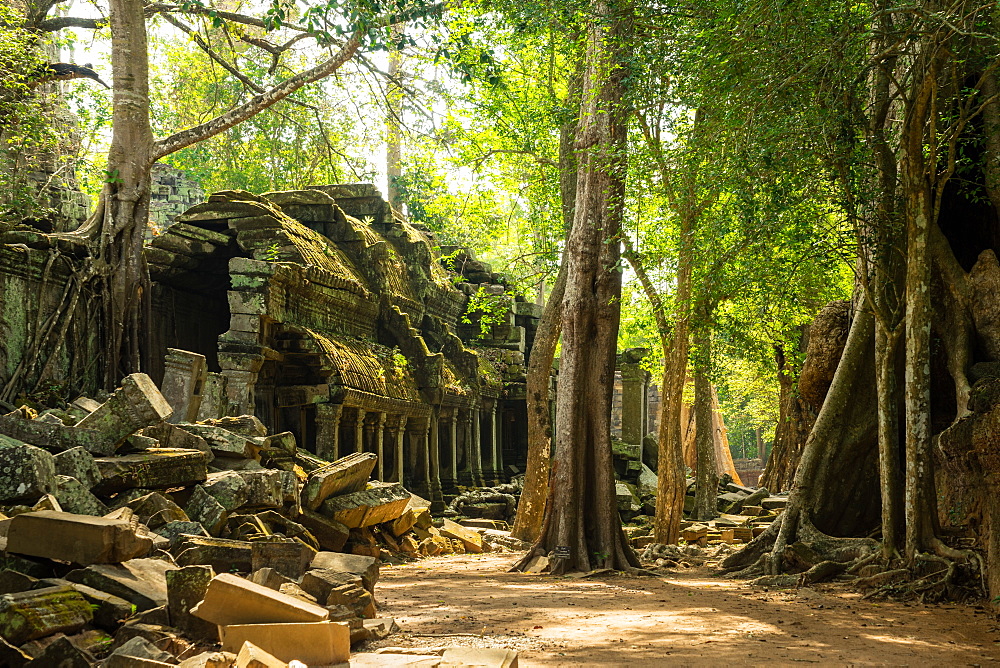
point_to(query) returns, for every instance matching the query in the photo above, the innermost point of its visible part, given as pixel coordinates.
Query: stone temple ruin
(324, 315)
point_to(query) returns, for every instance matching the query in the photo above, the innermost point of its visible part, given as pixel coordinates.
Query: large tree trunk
(531, 506)
(707, 486)
(125, 209)
(582, 529)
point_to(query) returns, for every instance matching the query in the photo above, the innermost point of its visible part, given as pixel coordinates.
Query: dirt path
(686, 618)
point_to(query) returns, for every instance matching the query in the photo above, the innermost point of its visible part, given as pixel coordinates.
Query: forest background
(464, 120)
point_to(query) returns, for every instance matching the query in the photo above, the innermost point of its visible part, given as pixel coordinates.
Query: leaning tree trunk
(707, 486)
(582, 529)
(531, 505)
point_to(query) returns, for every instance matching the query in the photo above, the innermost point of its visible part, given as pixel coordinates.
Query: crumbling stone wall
(172, 193)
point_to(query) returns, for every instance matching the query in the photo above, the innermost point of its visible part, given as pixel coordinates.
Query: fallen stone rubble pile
(130, 541)
(744, 513)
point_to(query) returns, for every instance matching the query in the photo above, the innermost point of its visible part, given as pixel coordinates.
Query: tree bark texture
(707, 485)
(582, 528)
(531, 506)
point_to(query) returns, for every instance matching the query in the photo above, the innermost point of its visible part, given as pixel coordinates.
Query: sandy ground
(687, 618)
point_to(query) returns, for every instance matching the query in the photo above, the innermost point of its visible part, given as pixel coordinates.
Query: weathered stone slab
(158, 468)
(394, 660)
(12, 581)
(224, 443)
(289, 558)
(54, 436)
(184, 374)
(312, 643)
(366, 568)
(381, 502)
(74, 497)
(206, 510)
(78, 463)
(346, 475)
(229, 488)
(248, 426)
(403, 523)
(234, 600)
(79, 539)
(471, 539)
(62, 653)
(154, 510)
(109, 610)
(141, 582)
(185, 588)
(331, 534)
(171, 436)
(35, 614)
(136, 404)
(26, 472)
(209, 660)
(265, 488)
(220, 553)
(173, 531)
(140, 648)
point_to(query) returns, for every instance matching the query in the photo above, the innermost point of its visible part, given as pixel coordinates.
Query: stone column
(449, 474)
(434, 460)
(398, 466)
(328, 430)
(379, 434)
(420, 444)
(183, 382)
(465, 474)
(496, 415)
(240, 370)
(477, 449)
(214, 402)
(359, 431)
(635, 381)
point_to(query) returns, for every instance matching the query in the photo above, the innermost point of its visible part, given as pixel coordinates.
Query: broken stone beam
(26, 472)
(220, 553)
(344, 476)
(472, 540)
(79, 539)
(381, 502)
(35, 614)
(53, 436)
(312, 643)
(156, 468)
(136, 404)
(109, 610)
(493, 657)
(233, 600)
(184, 376)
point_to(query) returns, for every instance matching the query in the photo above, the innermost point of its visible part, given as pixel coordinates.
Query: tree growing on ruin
(115, 271)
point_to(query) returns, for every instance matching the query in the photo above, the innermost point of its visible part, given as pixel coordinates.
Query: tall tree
(582, 529)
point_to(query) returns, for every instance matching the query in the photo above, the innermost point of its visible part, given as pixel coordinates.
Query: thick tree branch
(185, 138)
(60, 22)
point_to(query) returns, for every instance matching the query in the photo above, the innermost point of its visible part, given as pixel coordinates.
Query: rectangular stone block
(365, 567)
(156, 468)
(185, 588)
(35, 614)
(79, 539)
(222, 554)
(471, 539)
(136, 404)
(314, 644)
(290, 558)
(141, 582)
(78, 463)
(381, 502)
(109, 610)
(344, 476)
(251, 656)
(26, 472)
(233, 600)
